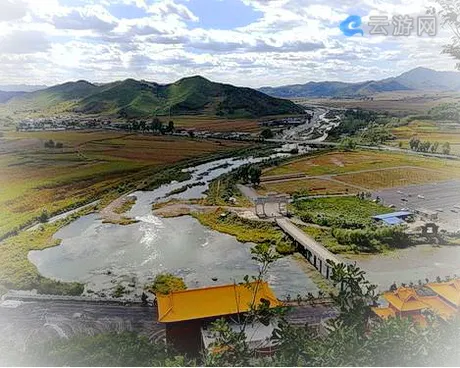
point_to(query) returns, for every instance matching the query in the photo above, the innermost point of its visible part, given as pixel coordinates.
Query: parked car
(420, 196)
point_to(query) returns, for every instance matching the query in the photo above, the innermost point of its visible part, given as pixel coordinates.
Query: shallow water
(410, 265)
(103, 255)
(137, 252)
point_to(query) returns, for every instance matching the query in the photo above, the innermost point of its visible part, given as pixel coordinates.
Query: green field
(347, 212)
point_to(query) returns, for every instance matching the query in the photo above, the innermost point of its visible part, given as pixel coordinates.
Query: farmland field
(343, 162)
(398, 177)
(89, 165)
(215, 124)
(335, 172)
(312, 186)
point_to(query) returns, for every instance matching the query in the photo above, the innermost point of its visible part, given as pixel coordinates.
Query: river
(105, 255)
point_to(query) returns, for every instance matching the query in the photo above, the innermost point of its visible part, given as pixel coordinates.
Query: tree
(171, 126)
(254, 174)
(44, 216)
(446, 148)
(434, 147)
(348, 144)
(267, 133)
(414, 144)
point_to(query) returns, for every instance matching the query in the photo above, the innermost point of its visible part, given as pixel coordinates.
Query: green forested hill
(132, 98)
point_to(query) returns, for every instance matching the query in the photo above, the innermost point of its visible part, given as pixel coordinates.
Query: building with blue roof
(394, 218)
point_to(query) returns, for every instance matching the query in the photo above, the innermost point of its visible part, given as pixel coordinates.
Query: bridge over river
(316, 254)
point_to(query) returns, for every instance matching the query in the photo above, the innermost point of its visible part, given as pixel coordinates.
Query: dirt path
(185, 209)
(109, 214)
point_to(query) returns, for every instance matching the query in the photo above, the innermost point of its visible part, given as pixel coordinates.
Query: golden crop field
(216, 124)
(342, 162)
(394, 178)
(365, 170)
(34, 178)
(312, 186)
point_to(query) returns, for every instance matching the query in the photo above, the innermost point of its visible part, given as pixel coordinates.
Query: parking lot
(443, 197)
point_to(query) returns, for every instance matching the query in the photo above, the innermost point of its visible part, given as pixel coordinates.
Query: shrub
(166, 283)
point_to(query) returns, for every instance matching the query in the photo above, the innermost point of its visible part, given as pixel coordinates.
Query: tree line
(155, 126)
(417, 145)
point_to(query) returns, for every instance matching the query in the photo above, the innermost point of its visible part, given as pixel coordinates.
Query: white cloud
(23, 42)
(293, 41)
(12, 10)
(89, 18)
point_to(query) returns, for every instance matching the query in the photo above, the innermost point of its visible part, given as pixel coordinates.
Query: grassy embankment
(17, 272)
(246, 230)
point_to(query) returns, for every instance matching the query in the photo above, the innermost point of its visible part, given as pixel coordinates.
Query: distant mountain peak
(417, 79)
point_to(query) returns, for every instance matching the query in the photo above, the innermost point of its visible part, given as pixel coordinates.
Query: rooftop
(405, 300)
(213, 301)
(392, 215)
(450, 291)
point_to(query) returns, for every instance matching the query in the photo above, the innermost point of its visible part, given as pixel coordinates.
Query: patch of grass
(246, 230)
(342, 212)
(310, 186)
(166, 283)
(119, 291)
(128, 203)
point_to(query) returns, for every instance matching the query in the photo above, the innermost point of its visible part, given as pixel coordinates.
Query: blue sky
(245, 42)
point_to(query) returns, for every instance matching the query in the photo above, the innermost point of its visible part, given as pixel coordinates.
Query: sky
(250, 43)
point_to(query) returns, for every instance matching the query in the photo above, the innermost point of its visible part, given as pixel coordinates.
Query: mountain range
(419, 79)
(131, 98)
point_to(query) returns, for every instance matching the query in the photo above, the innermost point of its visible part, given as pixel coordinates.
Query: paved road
(44, 320)
(441, 196)
(41, 321)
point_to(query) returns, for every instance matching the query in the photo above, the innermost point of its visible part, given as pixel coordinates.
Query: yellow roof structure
(448, 290)
(405, 300)
(384, 313)
(441, 308)
(212, 301)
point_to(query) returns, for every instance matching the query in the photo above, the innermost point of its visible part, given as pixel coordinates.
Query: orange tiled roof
(441, 308)
(212, 301)
(384, 313)
(448, 290)
(404, 299)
